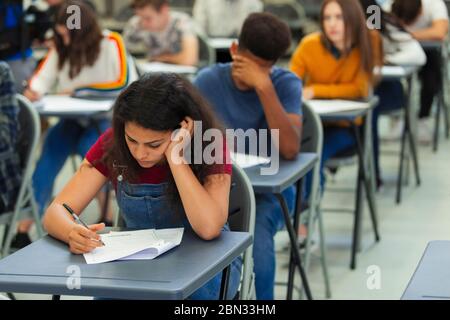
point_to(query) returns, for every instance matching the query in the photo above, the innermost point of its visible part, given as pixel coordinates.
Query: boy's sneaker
(424, 132)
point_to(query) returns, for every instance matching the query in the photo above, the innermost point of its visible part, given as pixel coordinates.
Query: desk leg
(297, 213)
(224, 284)
(369, 195)
(437, 126)
(402, 162)
(294, 247)
(56, 298)
(411, 138)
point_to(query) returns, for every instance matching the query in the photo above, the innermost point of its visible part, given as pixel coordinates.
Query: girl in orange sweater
(337, 63)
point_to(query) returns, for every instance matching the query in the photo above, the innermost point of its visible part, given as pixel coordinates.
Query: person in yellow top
(337, 63)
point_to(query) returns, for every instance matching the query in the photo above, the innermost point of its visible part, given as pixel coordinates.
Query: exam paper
(335, 105)
(62, 104)
(135, 245)
(154, 67)
(247, 160)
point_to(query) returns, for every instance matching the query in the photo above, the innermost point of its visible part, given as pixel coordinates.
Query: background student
(167, 36)
(10, 168)
(224, 18)
(251, 93)
(154, 187)
(425, 20)
(337, 62)
(83, 59)
(399, 48)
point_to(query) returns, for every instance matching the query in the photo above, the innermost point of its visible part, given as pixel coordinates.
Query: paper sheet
(334, 106)
(247, 161)
(165, 67)
(62, 104)
(135, 245)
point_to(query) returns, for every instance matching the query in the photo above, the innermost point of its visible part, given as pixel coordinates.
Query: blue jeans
(336, 141)
(269, 220)
(391, 98)
(146, 206)
(65, 138)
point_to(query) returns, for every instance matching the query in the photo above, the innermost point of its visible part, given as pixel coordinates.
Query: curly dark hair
(158, 102)
(84, 47)
(265, 35)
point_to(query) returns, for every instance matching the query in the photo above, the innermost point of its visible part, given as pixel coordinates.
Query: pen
(78, 220)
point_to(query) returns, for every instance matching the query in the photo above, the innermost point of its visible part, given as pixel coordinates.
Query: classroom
(224, 150)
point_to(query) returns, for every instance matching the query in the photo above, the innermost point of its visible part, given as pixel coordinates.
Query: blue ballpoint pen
(78, 220)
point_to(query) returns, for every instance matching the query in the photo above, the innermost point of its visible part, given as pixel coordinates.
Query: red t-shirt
(155, 175)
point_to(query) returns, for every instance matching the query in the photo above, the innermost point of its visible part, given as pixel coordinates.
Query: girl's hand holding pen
(83, 240)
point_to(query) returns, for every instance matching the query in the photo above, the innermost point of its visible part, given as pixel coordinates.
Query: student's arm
(77, 194)
(358, 88)
(117, 61)
(44, 78)
(297, 64)
(289, 125)
(437, 32)
(206, 206)
(187, 56)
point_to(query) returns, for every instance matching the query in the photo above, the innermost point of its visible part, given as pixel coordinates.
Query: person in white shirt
(224, 18)
(83, 60)
(167, 36)
(399, 48)
(425, 20)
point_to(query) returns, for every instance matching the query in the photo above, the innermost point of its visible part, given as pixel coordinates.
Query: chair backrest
(206, 54)
(29, 133)
(242, 202)
(312, 136)
(289, 11)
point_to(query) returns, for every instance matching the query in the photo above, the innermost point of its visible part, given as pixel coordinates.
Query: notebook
(62, 104)
(135, 245)
(247, 160)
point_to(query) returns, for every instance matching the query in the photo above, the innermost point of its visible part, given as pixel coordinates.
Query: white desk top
(155, 67)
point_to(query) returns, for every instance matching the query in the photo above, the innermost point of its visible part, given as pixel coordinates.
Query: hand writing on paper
(82, 240)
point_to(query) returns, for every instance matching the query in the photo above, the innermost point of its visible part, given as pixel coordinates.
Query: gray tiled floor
(405, 230)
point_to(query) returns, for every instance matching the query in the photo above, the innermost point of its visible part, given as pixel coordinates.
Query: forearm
(203, 213)
(181, 58)
(430, 34)
(57, 222)
(277, 119)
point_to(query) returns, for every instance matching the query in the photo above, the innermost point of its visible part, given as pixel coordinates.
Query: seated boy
(167, 36)
(251, 93)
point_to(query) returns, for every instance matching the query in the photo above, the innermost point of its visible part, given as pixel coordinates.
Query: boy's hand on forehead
(250, 72)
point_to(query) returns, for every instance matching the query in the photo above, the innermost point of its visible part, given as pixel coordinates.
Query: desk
(289, 173)
(365, 160)
(431, 280)
(159, 67)
(442, 107)
(44, 268)
(407, 73)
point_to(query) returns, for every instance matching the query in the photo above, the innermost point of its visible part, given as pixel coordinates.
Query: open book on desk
(335, 105)
(65, 103)
(247, 160)
(135, 245)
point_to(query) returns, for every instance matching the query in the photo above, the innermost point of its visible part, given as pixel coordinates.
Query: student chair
(294, 15)
(312, 141)
(206, 54)
(242, 211)
(27, 144)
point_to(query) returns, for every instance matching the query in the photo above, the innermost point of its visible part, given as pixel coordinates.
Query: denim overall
(146, 206)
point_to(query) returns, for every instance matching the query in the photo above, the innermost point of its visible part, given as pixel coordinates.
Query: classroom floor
(405, 229)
